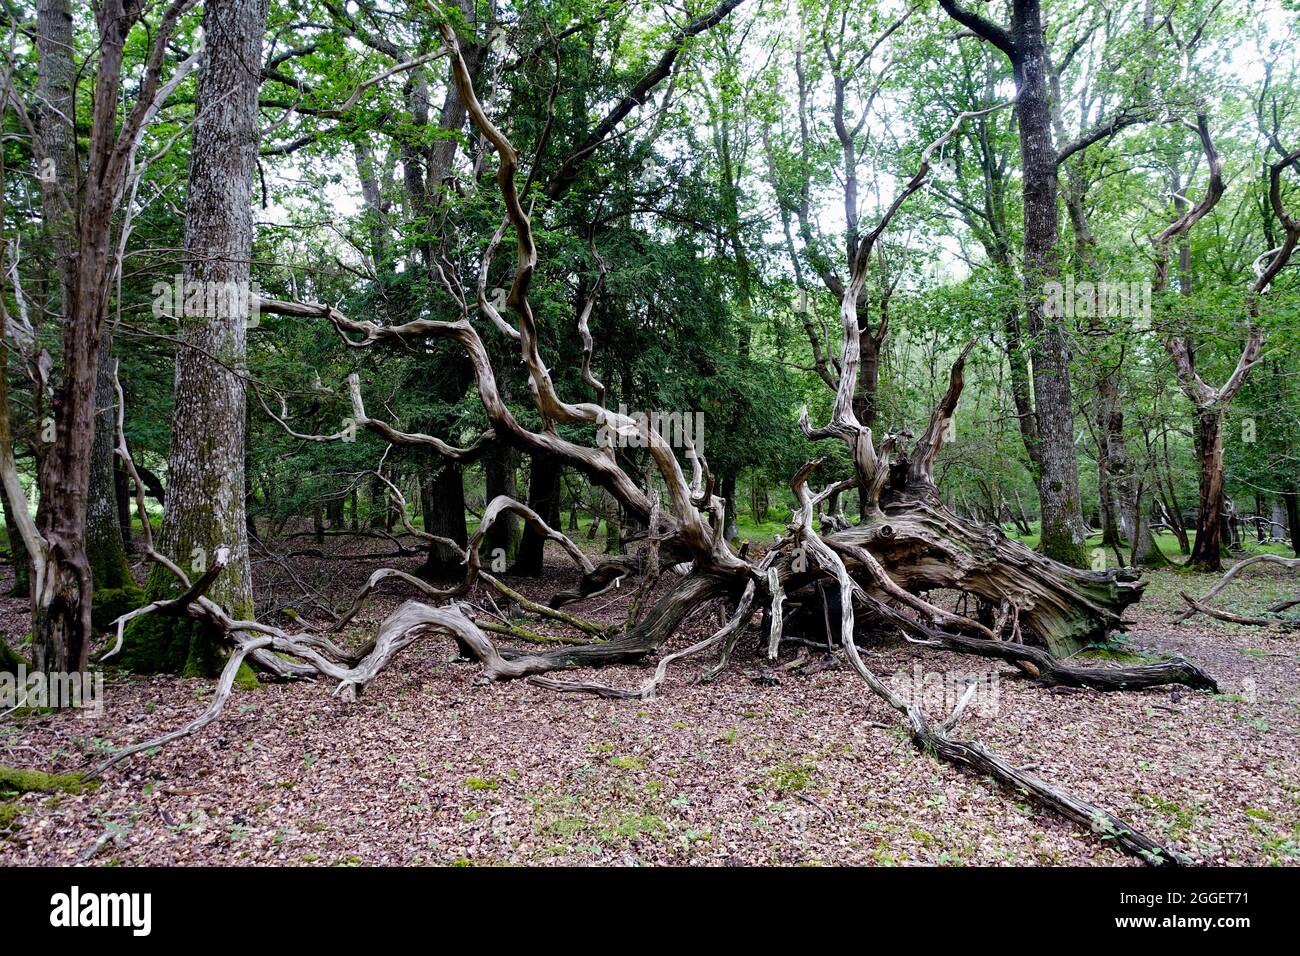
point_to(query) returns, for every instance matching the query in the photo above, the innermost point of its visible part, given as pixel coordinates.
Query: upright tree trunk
(1056, 467)
(377, 510)
(427, 165)
(205, 492)
(499, 474)
(727, 490)
(1062, 529)
(115, 590)
(1174, 508)
(1145, 551)
(613, 525)
(864, 401)
(122, 487)
(1292, 500)
(442, 494)
(334, 511)
(17, 549)
(1113, 469)
(1019, 517)
(104, 549)
(1277, 518)
(1207, 549)
(1114, 534)
(544, 498)
(61, 612)
(377, 226)
(61, 621)
(57, 142)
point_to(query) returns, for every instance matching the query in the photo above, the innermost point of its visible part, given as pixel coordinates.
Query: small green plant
(791, 778)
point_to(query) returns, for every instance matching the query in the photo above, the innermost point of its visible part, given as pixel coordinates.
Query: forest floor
(430, 766)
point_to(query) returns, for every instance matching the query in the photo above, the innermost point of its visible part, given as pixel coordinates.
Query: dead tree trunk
(907, 542)
(1209, 402)
(924, 547)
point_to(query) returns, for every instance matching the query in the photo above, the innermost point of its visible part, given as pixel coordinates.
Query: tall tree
(205, 466)
(1209, 402)
(87, 263)
(1061, 514)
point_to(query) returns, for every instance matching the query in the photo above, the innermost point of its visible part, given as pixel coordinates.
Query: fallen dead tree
(906, 544)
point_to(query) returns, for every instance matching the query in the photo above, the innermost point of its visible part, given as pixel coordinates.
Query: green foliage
(695, 228)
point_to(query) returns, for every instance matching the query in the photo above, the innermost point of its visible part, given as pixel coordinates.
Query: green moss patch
(14, 780)
(172, 644)
(10, 660)
(108, 604)
(163, 644)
